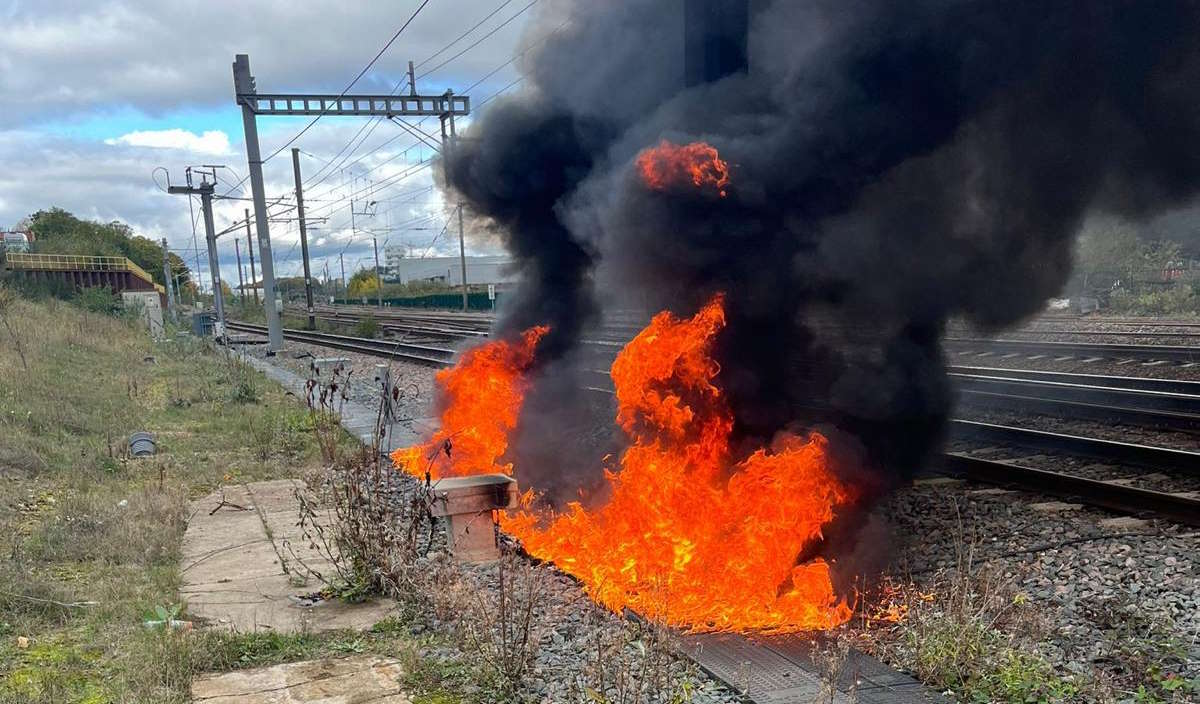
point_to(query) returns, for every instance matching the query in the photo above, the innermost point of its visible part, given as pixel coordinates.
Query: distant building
(14, 241)
(392, 256)
(401, 269)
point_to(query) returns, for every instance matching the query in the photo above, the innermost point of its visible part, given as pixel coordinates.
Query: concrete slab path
(244, 565)
(351, 680)
(246, 568)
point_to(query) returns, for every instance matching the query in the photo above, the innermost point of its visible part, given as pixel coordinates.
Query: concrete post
(167, 281)
(244, 86)
(462, 255)
(210, 233)
(378, 280)
(237, 252)
(250, 251)
(308, 294)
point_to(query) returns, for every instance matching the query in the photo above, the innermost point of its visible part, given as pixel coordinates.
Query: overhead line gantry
(446, 107)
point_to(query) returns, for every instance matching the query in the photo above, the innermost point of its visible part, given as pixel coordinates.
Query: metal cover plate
(774, 669)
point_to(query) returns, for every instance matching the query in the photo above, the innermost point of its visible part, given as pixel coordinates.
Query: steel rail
(1143, 398)
(386, 322)
(1157, 409)
(1180, 353)
(380, 348)
(1121, 452)
(1150, 408)
(1182, 508)
(1176, 386)
(1145, 416)
(1175, 353)
(1110, 333)
(440, 333)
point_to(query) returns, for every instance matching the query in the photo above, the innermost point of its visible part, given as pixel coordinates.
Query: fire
(480, 398)
(691, 535)
(669, 165)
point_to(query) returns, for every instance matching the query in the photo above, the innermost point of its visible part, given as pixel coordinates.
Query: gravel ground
(1176, 439)
(1083, 570)
(1114, 324)
(415, 381)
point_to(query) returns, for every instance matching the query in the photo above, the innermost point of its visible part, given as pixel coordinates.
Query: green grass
(91, 539)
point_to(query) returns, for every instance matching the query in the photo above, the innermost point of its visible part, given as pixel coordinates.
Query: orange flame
(481, 397)
(669, 165)
(690, 535)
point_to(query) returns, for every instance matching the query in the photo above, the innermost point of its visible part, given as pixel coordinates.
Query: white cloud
(69, 58)
(210, 142)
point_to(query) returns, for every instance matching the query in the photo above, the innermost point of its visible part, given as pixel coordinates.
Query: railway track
(1183, 354)
(1140, 322)
(391, 349)
(1179, 386)
(1167, 403)
(1114, 496)
(1111, 334)
(455, 326)
(1105, 399)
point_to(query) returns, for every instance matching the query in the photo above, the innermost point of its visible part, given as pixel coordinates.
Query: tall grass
(93, 540)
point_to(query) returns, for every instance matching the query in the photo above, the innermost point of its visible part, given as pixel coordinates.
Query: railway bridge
(117, 274)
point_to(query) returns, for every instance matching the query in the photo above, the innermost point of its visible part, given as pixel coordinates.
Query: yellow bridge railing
(76, 262)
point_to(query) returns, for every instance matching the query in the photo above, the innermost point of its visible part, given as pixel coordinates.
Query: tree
(363, 283)
(146, 253)
(292, 287)
(187, 290)
(58, 232)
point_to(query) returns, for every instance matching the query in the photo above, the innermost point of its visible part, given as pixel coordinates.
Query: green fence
(453, 301)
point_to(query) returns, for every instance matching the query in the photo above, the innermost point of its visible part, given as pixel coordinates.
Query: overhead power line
(460, 37)
(476, 84)
(323, 173)
(350, 85)
(334, 165)
(497, 93)
(476, 43)
(345, 90)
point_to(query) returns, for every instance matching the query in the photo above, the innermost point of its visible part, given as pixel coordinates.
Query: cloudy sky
(98, 95)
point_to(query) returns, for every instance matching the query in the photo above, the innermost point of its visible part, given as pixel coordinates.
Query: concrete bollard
(468, 504)
(329, 365)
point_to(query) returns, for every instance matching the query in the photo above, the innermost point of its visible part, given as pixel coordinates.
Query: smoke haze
(892, 165)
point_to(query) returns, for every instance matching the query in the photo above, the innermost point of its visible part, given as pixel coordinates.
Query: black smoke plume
(894, 164)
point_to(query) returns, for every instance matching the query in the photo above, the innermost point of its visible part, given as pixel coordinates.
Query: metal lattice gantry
(445, 107)
(370, 105)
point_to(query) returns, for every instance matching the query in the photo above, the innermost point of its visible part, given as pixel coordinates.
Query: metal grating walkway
(780, 670)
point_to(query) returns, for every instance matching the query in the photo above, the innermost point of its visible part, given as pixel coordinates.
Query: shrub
(367, 326)
(38, 290)
(99, 300)
(1179, 298)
